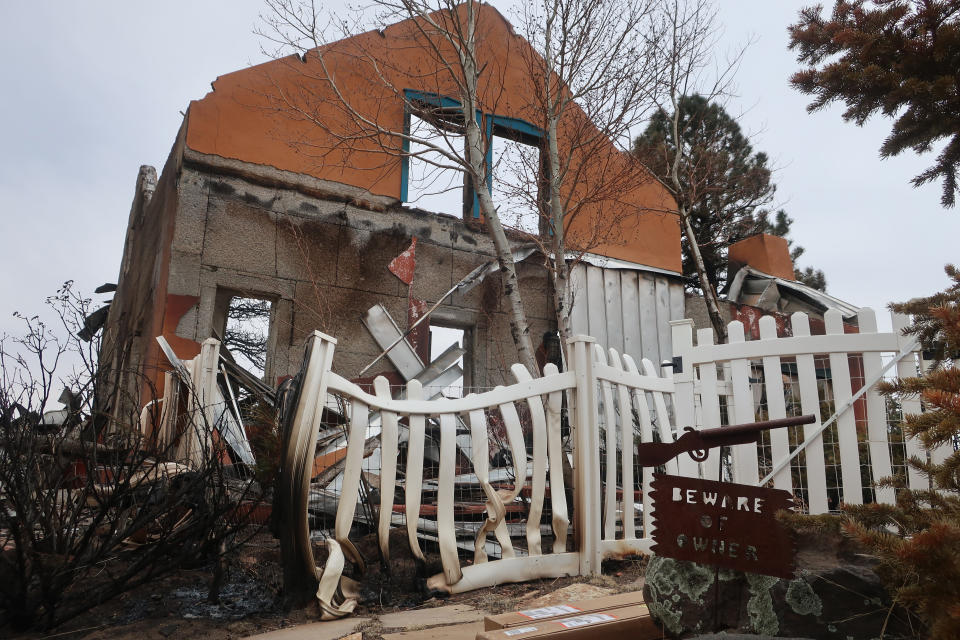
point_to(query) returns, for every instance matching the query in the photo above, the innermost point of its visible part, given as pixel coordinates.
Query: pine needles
(918, 539)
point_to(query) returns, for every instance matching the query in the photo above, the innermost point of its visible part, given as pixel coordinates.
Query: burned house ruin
(259, 202)
(277, 207)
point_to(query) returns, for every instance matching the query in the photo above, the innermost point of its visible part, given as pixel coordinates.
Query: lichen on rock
(803, 599)
(834, 594)
(671, 581)
(763, 619)
(663, 579)
(668, 617)
(690, 579)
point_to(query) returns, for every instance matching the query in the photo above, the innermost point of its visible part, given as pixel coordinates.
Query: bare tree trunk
(519, 329)
(593, 62)
(562, 295)
(475, 156)
(561, 273)
(709, 291)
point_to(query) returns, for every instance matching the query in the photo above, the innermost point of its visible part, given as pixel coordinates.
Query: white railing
(613, 406)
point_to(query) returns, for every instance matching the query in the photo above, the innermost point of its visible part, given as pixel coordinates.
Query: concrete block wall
(323, 263)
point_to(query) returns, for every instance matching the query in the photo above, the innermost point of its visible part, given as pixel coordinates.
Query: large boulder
(832, 595)
(723, 635)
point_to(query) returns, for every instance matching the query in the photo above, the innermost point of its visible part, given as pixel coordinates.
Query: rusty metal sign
(722, 524)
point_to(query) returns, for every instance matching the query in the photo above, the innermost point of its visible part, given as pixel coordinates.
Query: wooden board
(579, 322)
(629, 294)
(662, 292)
(614, 309)
(647, 302)
(810, 403)
(596, 301)
(385, 332)
(852, 491)
(776, 406)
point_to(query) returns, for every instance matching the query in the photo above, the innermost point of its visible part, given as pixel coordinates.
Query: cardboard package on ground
(565, 610)
(623, 623)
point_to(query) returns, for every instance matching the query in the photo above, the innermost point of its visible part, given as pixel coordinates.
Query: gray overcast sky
(94, 89)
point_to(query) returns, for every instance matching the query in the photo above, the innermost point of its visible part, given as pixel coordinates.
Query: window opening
(441, 339)
(432, 181)
(247, 332)
(516, 165)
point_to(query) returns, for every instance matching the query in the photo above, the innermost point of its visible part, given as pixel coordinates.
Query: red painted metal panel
(404, 265)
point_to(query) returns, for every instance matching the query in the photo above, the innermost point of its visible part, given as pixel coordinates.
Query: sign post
(718, 523)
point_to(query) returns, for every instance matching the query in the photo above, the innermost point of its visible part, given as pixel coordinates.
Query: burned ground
(176, 606)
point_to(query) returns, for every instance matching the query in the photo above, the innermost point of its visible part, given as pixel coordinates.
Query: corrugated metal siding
(626, 309)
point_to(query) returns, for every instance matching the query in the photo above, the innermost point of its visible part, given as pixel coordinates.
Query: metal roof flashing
(809, 294)
(615, 263)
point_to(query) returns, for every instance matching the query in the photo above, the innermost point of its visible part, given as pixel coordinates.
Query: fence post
(907, 368)
(586, 488)
(682, 374)
(941, 453)
(197, 444)
(205, 368)
(299, 440)
(684, 414)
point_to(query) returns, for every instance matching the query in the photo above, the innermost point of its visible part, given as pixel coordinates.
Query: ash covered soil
(177, 606)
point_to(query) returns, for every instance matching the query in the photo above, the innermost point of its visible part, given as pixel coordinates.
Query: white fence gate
(612, 406)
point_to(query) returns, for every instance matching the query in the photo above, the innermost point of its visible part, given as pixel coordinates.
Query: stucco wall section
(138, 312)
(323, 264)
(245, 120)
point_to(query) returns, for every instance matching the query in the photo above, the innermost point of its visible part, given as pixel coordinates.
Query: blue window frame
(492, 125)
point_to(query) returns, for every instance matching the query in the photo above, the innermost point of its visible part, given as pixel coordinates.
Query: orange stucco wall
(770, 254)
(285, 114)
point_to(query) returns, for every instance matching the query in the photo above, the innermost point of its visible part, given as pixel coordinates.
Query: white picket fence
(612, 407)
(699, 396)
(543, 397)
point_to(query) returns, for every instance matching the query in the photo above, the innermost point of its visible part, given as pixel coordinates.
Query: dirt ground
(177, 606)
